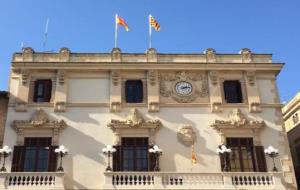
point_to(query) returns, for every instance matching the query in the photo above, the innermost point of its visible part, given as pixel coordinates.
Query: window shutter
(260, 159)
(52, 164)
(47, 90)
(18, 159)
(152, 160)
(35, 95)
(117, 159)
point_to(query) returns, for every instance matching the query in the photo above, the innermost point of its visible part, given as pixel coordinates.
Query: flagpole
(116, 31)
(150, 32)
(46, 34)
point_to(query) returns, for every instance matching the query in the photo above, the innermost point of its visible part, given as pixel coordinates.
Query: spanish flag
(194, 157)
(121, 21)
(153, 23)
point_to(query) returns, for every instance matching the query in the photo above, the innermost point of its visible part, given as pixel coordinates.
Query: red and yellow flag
(194, 156)
(121, 21)
(153, 23)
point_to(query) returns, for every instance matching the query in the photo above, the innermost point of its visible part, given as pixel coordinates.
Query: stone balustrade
(169, 180)
(32, 180)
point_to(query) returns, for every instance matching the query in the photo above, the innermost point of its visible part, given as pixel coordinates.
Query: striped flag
(194, 157)
(153, 23)
(121, 21)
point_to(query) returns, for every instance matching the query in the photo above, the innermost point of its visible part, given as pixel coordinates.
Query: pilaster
(252, 92)
(153, 91)
(215, 91)
(60, 91)
(115, 91)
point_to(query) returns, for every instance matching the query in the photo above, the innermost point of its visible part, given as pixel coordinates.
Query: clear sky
(187, 26)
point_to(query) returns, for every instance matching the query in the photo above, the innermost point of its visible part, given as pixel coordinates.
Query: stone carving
(250, 75)
(237, 120)
(115, 106)
(152, 77)
(24, 76)
(213, 76)
(116, 55)
(39, 120)
(28, 54)
(210, 54)
(61, 77)
(60, 107)
(216, 107)
(115, 78)
(168, 82)
(246, 55)
(134, 121)
(153, 107)
(255, 107)
(186, 135)
(64, 54)
(151, 55)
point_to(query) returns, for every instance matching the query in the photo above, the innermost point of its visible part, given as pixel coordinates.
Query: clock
(183, 88)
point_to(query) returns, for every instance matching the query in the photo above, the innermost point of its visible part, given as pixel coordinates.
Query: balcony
(32, 180)
(168, 180)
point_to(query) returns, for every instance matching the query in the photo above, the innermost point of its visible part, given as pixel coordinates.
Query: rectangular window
(134, 91)
(133, 155)
(233, 91)
(241, 159)
(42, 90)
(37, 155)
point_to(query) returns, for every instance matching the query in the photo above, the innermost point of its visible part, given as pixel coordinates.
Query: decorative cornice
(134, 120)
(237, 120)
(39, 120)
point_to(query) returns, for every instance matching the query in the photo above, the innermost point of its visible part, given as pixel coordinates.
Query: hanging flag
(194, 157)
(122, 22)
(153, 23)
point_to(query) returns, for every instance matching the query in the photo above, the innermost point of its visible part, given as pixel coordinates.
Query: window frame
(243, 89)
(239, 94)
(46, 97)
(145, 95)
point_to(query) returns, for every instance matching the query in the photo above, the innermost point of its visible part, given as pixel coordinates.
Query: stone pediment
(40, 119)
(134, 120)
(237, 120)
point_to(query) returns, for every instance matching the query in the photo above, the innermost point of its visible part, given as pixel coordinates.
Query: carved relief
(64, 54)
(186, 135)
(115, 106)
(60, 107)
(153, 107)
(116, 55)
(246, 55)
(237, 120)
(28, 54)
(115, 78)
(213, 76)
(250, 77)
(198, 81)
(24, 76)
(134, 121)
(151, 55)
(216, 107)
(152, 77)
(255, 107)
(210, 54)
(61, 77)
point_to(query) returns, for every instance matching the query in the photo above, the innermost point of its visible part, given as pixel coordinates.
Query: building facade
(3, 113)
(292, 126)
(185, 105)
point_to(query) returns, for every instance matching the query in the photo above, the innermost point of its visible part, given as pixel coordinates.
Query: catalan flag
(121, 21)
(194, 157)
(153, 23)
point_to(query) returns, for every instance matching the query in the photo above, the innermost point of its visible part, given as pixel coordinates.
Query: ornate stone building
(3, 113)
(164, 114)
(291, 112)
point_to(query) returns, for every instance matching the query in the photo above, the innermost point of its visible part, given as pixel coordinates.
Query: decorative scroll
(186, 135)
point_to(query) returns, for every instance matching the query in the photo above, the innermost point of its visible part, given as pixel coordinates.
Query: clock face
(183, 88)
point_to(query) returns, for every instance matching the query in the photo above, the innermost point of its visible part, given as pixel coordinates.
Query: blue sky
(187, 26)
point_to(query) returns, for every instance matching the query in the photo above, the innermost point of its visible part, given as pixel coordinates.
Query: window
(37, 155)
(134, 91)
(42, 90)
(233, 91)
(241, 158)
(133, 155)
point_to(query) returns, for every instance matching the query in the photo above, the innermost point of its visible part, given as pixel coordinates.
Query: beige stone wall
(3, 113)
